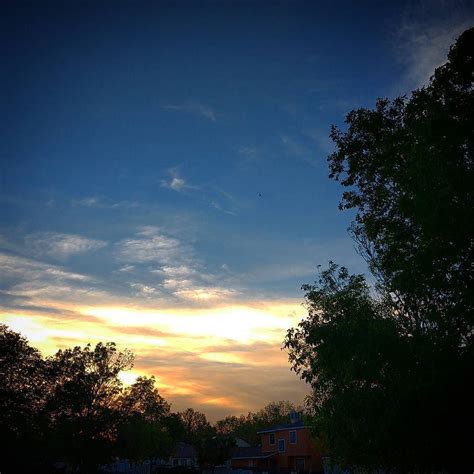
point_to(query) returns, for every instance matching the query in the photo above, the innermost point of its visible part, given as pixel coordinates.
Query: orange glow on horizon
(201, 357)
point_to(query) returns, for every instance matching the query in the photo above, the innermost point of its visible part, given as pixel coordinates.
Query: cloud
(200, 355)
(103, 203)
(87, 201)
(210, 195)
(175, 182)
(149, 245)
(296, 149)
(174, 271)
(61, 246)
(193, 108)
(322, 139)
(423, 37)
(248, 152)
(20, 268)
(206, 293)
(35, 283)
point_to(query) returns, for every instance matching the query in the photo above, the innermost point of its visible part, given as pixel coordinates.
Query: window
(175, 462)
(272, 438)
(293, 437)
(281, 445)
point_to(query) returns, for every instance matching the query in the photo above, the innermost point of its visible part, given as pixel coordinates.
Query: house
(286, 448)
(183, 455)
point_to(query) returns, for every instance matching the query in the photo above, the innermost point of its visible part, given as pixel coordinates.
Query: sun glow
(199, 356)
(244, 324)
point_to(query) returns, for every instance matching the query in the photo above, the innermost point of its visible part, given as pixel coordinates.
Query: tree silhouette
(143, 429)
(22, 389)
(84, 389)
(388, 366)
(195, 425)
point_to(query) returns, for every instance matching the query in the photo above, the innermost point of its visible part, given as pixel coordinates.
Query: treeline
(71, 409)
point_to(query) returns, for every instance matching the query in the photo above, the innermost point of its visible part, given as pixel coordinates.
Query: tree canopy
(72, 408)
(388, 365)
(408, 170)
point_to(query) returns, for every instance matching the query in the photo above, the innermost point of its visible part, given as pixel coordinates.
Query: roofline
(282, 429)
(255, 457)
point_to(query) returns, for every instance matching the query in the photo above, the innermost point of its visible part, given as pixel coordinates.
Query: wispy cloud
(103, 203)
(294, 148)
(210, 195)
(248, 152)
(20, 268)
(188, 325)
(61, 246)
(193, 108)
(322, 140)
(423, 37)
(149, 245)
(176, 182)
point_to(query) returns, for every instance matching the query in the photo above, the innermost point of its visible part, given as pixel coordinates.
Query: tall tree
(22, 390)
(388, 366)
(143, 429)
(409, 172)
(82, 402)
(195, 425)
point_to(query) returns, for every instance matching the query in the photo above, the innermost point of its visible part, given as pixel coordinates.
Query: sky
(163, 174)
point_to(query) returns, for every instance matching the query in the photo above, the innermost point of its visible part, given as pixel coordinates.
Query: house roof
(241, 443)
(288, 426)
(250, 453)
(183, 450)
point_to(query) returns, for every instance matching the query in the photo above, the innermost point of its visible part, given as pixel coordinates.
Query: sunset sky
(164, 180)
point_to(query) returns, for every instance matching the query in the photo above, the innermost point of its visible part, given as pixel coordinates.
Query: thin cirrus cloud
(149, 245)
(211, 196)
(422, 39)
(189, 327)
(176, 182)
(61, 246)
(17, 268)
(198, 353)
(103, 203)
(193, 108)
(294, 148)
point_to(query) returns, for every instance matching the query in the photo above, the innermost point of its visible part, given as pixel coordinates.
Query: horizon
(164, 182)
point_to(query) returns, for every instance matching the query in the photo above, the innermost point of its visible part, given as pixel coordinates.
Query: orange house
(284, 448)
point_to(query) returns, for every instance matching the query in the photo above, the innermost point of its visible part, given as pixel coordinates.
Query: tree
(388, 365)
(214, 450)
(22, 391)
(175, 427)
(409, 172)
(85, 387)
(142, 432)
(349, 351)
(195, 425)
(247, 426)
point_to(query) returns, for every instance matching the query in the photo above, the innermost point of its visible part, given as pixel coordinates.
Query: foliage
(247, 426)
(84, 387)
(388, 366)
(142, 432)
(195, 425)
(409, 172)
(214, 450)
(21, 400)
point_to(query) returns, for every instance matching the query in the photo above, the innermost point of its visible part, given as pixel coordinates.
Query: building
(183, 455)
(284, 448)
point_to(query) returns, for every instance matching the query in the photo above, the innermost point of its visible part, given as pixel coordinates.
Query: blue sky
(172, 156)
